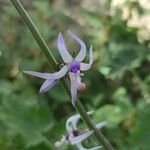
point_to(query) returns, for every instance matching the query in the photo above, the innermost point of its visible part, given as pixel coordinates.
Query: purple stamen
(75, 132)
(67, 137)
(74, 67)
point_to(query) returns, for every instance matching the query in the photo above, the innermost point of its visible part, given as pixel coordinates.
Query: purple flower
(73, 66)
(75, 136)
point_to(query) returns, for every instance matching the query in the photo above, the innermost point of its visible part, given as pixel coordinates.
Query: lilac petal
(100, 125)
(47, 85)
(80, 138)
(85, 66)
(59, 74)
(80, 147)
(62, 49)
(71, 123)
(78, 79)
(55, 75)
(74, 86)
(82, 52)
(38, 74)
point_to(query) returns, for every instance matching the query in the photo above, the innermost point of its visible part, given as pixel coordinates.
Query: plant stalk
(53, 65)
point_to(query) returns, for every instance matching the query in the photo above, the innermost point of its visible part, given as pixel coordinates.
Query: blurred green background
(118, 84)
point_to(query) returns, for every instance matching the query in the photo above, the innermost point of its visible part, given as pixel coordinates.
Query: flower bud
(82, 87)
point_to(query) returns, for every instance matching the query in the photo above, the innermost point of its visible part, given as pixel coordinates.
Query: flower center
(75, 132)
(74, 67)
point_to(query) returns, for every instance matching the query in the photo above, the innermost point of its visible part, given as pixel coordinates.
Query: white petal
(62, 49)
(85, 66)
(71, 123)
(80, 147)
(78, 79)
(55, 75)
(82, 52)
(74, 86)
(47, 85)
(60, 142)
(38, 74)
(100, 125)
(81, 137)
(59, 74)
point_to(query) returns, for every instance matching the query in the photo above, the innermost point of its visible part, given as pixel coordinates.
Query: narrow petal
(82, 52)
(62, 49)
(81, 137)
(100, 125)
(71, 123)
(60, 142)
(80, 147)
(59, 74)
(47, 85)
(78, 79)
(74, 86)
(55, 75)
(38, 74)
(85, 66)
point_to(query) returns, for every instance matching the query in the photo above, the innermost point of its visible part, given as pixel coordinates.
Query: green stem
(53, 64)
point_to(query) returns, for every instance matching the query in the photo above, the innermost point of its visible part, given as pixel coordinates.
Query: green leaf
(140, 133)
(28, 119)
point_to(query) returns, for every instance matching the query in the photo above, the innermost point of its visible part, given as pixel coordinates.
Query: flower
(73, 66)
(74, 136)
